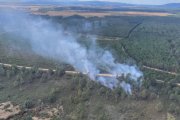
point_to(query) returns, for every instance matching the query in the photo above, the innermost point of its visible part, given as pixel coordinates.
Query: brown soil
(100, 14)
(49, 112)
(34, 9)
(8, 110)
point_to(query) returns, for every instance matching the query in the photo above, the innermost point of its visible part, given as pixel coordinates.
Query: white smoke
(49, 40)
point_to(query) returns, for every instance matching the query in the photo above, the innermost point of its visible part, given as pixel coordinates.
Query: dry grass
(30, 8)
(8, 110)
(101, 14)
(34, 9)
(49, 112)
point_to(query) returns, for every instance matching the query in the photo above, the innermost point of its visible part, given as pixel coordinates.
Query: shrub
(159, 107)
(74, 99)
(50, 72)
(152, 95)
(34, 69)
(51, 98)
(118, 91)
(57, 118)
(144, 94)
(28, 104)
(177, 91)
(173, 108)
(90, 84)
(103, 116)
(2, 71)
(82, 83)
(38, 74)
(85, 95)
(19, 80)
(170, 117)
(1, 86)
(102, 91)
(60, 71)
(172, 97)
(8, 73)
(14, 70)
(23, 69)
(81, 111)
(28, 118)
(44, 77)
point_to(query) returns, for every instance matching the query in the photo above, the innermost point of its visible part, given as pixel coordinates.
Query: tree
(103, 116)
(2, 71)
(60, 71)
(38, 74)
(8, 73)
(173, 108)
(34, 69)
(170, 117)
(14, 70)
(81, 111)
(44, 77)
(144, 94)
(19, 80)
(28, 104)
(82, 82)
(50, 72)
(118, 91)
(28, 118)
(159, 107)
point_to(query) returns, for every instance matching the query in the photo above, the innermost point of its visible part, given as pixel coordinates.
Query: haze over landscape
(145, 2)
(89, 60)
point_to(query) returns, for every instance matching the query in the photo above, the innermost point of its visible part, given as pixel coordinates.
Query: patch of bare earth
(8, 110)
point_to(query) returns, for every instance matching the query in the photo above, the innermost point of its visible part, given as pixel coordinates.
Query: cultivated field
(50, 10)
(100, 14)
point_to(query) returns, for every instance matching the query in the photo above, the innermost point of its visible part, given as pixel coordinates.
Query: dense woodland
(150, 41)
(77, 93)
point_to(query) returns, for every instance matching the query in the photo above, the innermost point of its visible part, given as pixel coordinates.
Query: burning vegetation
(88, 68)
(51, 42)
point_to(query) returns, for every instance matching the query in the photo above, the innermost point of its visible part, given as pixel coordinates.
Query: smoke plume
(49, 40)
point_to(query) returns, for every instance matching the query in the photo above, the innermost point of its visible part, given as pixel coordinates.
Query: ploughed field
(143, 40)
(87, 11)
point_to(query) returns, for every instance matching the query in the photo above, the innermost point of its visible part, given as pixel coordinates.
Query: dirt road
(159, 70)
(98, 75)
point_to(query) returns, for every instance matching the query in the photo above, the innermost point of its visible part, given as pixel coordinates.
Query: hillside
(79, 3)
(74, 67)
(172, 5)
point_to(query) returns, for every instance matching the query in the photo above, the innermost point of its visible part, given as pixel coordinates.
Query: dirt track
(102, 75)
(159, 70)
(18, 66)
(67, 72)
